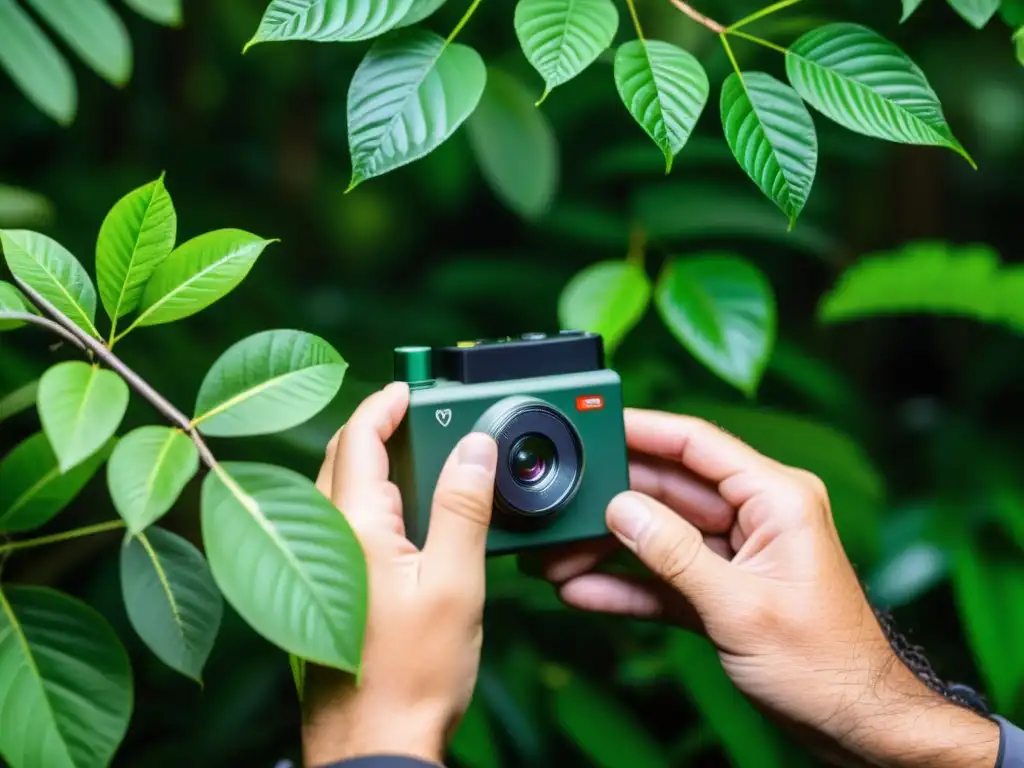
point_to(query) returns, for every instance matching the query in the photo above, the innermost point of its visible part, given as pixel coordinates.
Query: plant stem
(136, 382)
(636, 18)
(60, 330)
(697, 16)
(462, 22)
(758, 40)
(732, 56)
(89, 530)
(774, 7)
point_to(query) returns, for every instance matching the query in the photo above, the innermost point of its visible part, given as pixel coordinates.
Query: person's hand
(744, 549)
(424, 627)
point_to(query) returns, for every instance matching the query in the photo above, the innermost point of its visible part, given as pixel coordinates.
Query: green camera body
(555, 412)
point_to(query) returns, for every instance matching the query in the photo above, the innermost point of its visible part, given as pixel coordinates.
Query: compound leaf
(561, 38)
(864, 82)
(408, 95)
(664, 88)
(772, 135)
(171, 599)
(608, 298)
(327, 21)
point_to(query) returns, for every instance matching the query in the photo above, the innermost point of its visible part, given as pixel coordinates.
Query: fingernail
(478, 450)
(628, 515)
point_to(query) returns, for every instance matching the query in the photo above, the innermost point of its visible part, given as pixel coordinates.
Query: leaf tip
(255, 41)
(543, 96)
(356, 181)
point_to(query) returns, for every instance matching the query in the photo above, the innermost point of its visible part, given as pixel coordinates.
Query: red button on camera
(589, 403)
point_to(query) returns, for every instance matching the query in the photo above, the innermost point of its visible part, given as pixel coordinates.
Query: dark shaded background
(427, 255)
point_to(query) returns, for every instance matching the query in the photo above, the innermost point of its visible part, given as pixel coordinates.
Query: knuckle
(678, 555)
(464, 502)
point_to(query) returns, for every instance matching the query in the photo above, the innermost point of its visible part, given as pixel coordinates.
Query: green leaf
(171, 599)
(604, 730)
(408, 95)
(977, 13)
(80, 406)
(328, 21)
(931, 278)
(93, 31)
(11, 301)
(909, 7)
(298, 667)
(136, 236)
(48, 268)
(855, 486)
(32, 488)
(165, 12)
(561, 38)
(35, 65)
(23, 208)
(608, 298)
(268, 382)
(1018, 40)
(664, 88)
(772, 135)
(197, 274)
(504, 129)
(19, 400)
(989, 591)
(65, 682)
(747, 738)
(287, 561)
(420, 10)
(473, 744)
(721, 308)
(857, 78)
(148, 471)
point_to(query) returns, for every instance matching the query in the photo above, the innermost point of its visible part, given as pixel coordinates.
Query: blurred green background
(914, 422)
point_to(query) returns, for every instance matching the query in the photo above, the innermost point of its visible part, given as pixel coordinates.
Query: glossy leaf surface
(608, 298)
(35, 65)
(93, 31)
(977, 13)
(10, 301)
(327, 21)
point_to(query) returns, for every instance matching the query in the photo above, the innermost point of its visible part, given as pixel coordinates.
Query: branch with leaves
(276, 549)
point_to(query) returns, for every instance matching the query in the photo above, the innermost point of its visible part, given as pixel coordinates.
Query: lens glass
(533, 459)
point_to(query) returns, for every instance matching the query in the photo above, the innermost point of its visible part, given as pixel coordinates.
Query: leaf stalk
(773, 8)
(75, 533)
(462, 22)
(631, 4)
(758, 40)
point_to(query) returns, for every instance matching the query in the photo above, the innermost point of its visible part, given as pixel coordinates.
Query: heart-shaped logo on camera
(443, 416)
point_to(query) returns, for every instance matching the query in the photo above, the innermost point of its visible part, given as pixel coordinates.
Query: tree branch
(697, 16)
(67, 329)
(60, 330)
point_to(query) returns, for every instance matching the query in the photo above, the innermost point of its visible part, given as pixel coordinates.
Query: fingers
(461, 512)
(325, 478)
(671, 547)
(647, 599)
(559, 564)
(678, 488)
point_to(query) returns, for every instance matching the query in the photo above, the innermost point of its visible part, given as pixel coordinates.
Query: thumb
(463, 499)
(671, 547)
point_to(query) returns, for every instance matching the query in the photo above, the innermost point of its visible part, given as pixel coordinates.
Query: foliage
(311, 602)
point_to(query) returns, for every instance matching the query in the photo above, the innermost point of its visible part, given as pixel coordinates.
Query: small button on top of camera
(533, 336)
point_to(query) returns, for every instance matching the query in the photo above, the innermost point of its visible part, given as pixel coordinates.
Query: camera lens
(533, 460)
(541, 464)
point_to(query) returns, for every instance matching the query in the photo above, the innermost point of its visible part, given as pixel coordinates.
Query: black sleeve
(382, 761)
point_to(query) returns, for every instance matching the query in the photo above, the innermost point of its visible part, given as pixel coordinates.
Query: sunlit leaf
(326, 21)
(977, 13)
(80, 407)
(165, 12)
(23, 208)
(664, 88)
(267, 383)
(35, 65)
(171, 599)
(147, 472)
(561, 38)
(66, 689)
(909, 7)
(32, 488)
(747, 738)
(603, 729)
(420, 10)
(134, 238)
(929, 278)
(504, 129)
(287, 561)
(1018, 41)
(721, 308)
(10, 301)
(48, 268)
(197, 274)
(473, 744)
(857, 78)
(772, 136)
(408, 95)
(608, 298)
(93, 31)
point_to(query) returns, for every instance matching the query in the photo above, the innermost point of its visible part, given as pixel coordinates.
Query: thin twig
(136, 382)
(60, 330)
(697, 16)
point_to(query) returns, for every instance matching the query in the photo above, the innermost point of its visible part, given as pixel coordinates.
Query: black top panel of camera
(520, 357)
